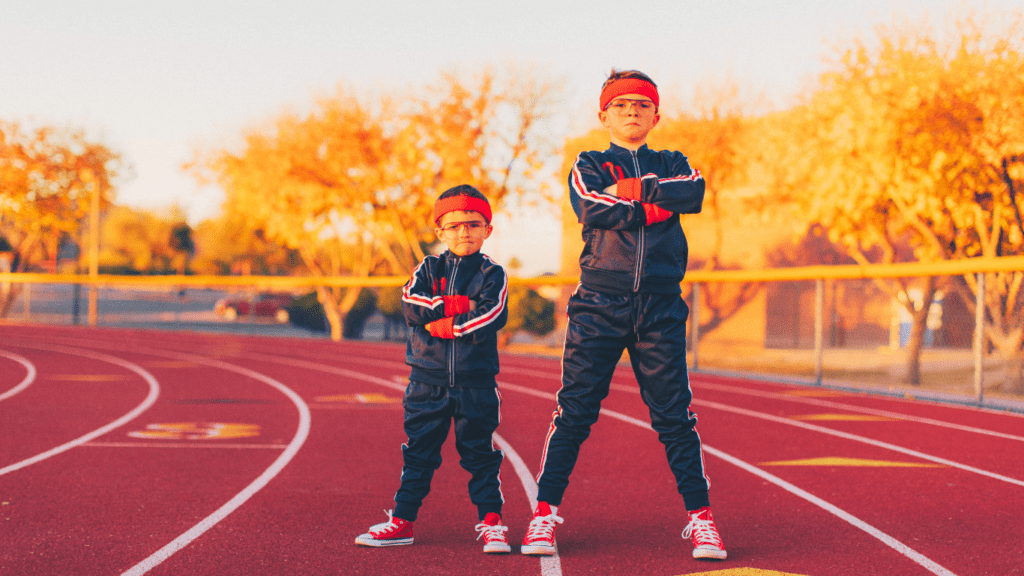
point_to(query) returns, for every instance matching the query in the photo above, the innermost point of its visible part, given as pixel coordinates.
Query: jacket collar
(616, 149)
(449, 256)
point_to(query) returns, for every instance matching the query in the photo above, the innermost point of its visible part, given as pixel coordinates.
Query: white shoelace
(378, 529)
(492, 532)
(703, 532)
(542, 527)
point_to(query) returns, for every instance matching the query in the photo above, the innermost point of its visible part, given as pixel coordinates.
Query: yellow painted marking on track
(370, 398)
(815, 393)
(845, 417)
(89, 377)
(741, 572)
(857, 462)
(196, 431)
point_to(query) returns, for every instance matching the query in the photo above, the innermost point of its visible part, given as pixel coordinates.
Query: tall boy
(628, 199)
(455, 304)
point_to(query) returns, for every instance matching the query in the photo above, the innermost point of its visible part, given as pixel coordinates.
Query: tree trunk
(334, 316)
(917, 328)
(1013, 372)
(336, 310)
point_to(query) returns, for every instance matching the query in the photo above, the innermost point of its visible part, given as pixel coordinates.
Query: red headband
(468, 203)
(628, 86)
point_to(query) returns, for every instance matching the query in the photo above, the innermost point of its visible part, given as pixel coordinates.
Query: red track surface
(803, 481)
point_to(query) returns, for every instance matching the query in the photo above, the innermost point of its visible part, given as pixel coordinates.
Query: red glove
(656, 214)
(628, 189)
(455, 305)
(444, 328)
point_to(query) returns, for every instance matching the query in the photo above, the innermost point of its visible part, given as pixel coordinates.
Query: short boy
(628, 199)
(455, 304)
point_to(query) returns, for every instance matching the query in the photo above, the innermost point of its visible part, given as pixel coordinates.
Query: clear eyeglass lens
(453, 229)
(622, 105)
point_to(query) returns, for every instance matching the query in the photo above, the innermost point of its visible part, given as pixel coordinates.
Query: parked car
(265, 304)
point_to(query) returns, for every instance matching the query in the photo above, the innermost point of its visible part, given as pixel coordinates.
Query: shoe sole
(705, 554)
(497, 549)
(538, 550)
(372, 543)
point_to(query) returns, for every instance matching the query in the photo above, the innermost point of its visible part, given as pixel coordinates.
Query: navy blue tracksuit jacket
(628, 299)
(453, 380)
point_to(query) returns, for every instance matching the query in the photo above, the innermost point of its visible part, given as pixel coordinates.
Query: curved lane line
(801, 400)
(889, 541)
(549, 565)
(896, 545)
(262, 480)
(863, 410)
(29, 378)
(856, 438)
(154, 392)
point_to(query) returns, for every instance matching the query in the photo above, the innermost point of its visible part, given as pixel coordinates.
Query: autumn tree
(912, 141)
(225, 245)
(47, 177)
(351, 185)
(527, 310)
(714, 134)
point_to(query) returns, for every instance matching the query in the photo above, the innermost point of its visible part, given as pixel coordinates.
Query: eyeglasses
(473, 227)
(621, 106)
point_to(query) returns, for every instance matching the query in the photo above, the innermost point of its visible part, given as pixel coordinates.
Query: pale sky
(157, 80)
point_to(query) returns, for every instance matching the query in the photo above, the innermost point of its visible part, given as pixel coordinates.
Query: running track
(130, 452)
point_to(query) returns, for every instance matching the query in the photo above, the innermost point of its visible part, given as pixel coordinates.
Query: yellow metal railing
(841, 272)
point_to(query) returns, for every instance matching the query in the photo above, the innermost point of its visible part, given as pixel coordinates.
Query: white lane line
(154, 392)
(801, 400)
(896, 545)
(861, 409)
(249, 491)
(889, 541)
(856, 438)
(179, 445)
(848, 436)
(29, 378)
(549, 565)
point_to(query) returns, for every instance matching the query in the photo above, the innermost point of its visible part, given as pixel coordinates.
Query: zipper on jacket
(640, 238)
(451, 348)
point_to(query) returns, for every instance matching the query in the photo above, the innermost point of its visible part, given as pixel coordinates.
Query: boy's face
(463, 232)
(629, 118)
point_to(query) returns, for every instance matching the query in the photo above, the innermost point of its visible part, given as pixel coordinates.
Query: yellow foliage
(351, 185)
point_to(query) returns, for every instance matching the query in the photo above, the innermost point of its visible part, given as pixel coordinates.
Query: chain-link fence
(878, 333)
(837, 327)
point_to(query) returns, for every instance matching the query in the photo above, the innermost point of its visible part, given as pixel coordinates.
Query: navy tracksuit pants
(652, 327)
(429, 414)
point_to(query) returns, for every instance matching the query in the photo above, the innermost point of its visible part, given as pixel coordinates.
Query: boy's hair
(619, 74)
(462, 197)
(621, 82)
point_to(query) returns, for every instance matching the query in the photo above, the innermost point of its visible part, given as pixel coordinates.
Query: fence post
(27, 305)
(979, 339)
(819, 320)
(695, 325)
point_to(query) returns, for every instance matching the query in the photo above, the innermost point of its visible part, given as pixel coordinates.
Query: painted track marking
(801, 400)
(255, 486)
(180, 445)
(856, 438)
(549, 565)
(29, 378)
(154, 392)
(861, 409)
(896, 545)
